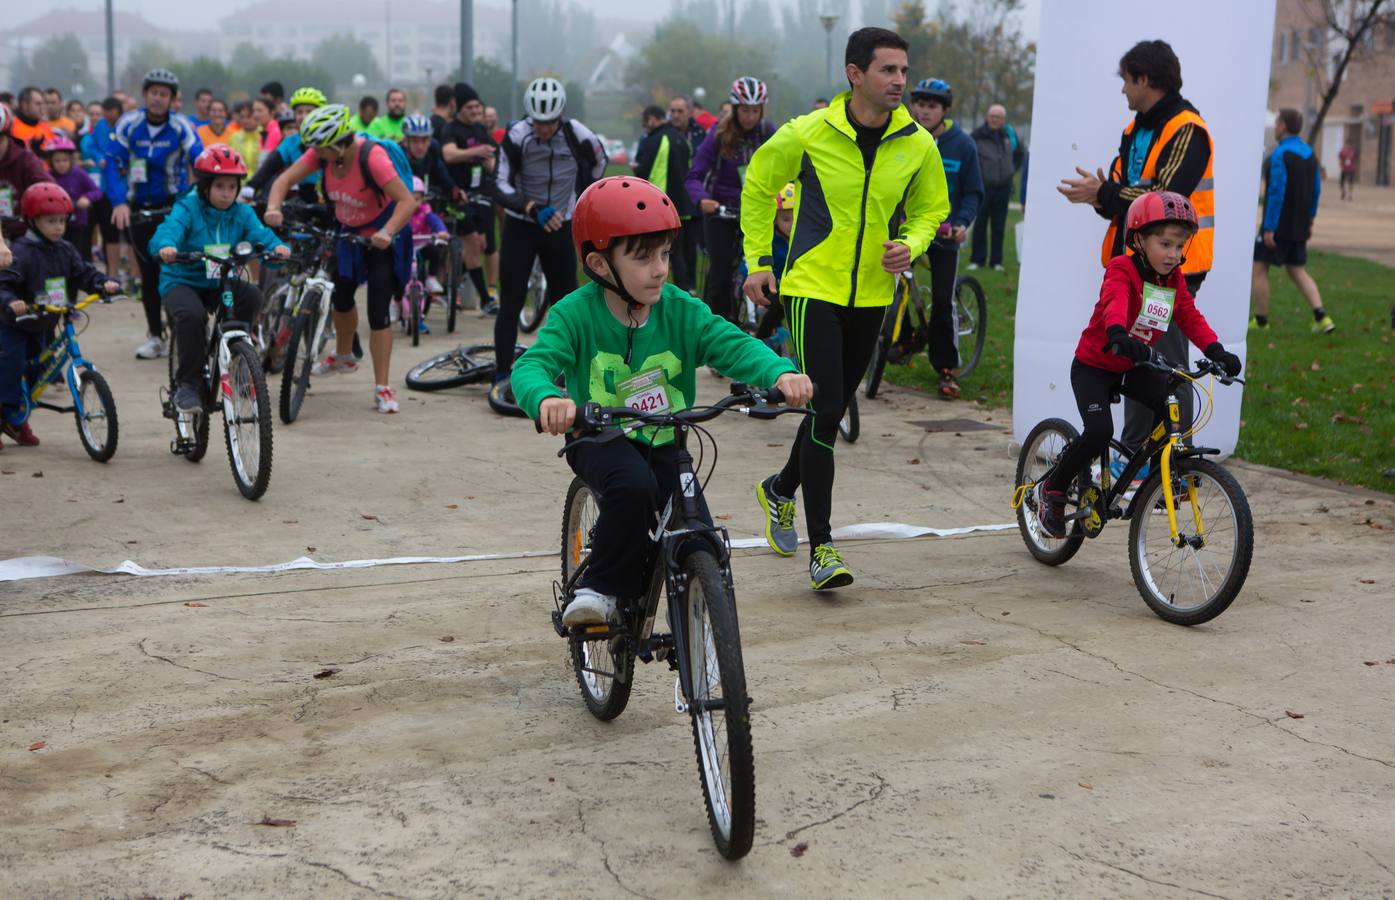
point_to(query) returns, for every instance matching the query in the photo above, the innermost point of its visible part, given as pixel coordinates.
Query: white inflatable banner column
(1078, 115)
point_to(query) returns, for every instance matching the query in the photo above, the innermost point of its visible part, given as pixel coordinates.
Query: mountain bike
(689, 562)
(310, 306)
(93, 406)
(906, 329)
(455, 368)
(232, 383)
(306, 225)
(1191, 536)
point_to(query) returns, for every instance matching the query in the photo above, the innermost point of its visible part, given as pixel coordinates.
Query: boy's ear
(598, 264)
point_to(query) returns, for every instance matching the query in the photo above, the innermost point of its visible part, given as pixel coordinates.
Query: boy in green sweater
(629, 338)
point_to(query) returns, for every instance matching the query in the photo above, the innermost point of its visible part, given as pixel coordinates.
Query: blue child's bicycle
(93, 406)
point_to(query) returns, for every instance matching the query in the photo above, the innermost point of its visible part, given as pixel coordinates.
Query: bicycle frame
(62, 351)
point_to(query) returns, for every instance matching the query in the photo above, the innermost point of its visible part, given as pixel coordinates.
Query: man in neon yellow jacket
(862, 165)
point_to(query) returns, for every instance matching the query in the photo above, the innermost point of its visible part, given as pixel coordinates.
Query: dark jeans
(632, 483)
(833, 345)
(1138, 419)
(141, 233)
(721, 235)
(944, 330)
(683, 256)
(992, 214)
(16, 347)
(1093, 388)
(189, 310)
(524, 242)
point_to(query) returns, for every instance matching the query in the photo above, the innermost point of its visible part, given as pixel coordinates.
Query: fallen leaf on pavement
(974, 643)
(277, 823)
(1371, 662)
(37, 745)
(1006, 613)
(119, 500)
(724, 517)
(7, 471)
(195, 604)
(38, 475)
(1315, 367)
(1367, 580)
(448, 639)
(1086, 785)
(369, 517)
(913, 462)
(290, 521)
(799, 849)
(452, 506)
(326, 673)
(309, 549)
(1293, 715)
(1300, 426)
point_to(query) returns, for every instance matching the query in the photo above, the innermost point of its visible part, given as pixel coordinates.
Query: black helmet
(160, 76)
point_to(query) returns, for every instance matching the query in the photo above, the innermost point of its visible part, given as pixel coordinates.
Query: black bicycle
(906, 329)
(232, 382)
(689, 561)
(1191, 536)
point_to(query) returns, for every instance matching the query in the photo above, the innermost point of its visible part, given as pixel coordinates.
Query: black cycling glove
(1126, 345)
(1227, 360)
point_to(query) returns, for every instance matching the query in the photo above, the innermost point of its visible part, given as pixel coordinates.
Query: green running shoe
(779, 518)
(827, 569)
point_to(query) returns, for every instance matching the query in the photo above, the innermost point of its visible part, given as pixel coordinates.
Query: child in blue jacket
(207, 220)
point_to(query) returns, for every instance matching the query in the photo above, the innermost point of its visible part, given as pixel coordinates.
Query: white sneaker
(394, 312)
(153, 348)
(999, 268)
(973, 266)
(384, 399)
(588, 608)
(433, 286)
(331, 364)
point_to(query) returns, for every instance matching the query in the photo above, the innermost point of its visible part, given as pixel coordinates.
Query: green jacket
(845, 210)
(584, 342)
(387, 128)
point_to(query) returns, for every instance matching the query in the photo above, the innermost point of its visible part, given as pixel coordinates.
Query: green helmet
(326, 126)
(308, 96)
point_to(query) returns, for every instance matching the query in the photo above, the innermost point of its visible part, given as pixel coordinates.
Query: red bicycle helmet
(1158, 207)
(45, 198)
(620, 206)
(219, 159)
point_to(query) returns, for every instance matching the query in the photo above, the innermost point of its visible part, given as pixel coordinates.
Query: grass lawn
(1317, 404)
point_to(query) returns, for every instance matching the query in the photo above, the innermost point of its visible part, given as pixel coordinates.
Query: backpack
(394, 152)
(583, 153)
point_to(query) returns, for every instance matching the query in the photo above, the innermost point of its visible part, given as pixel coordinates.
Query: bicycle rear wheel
(850, 426)
(604, 677)
(970, 322)
(1038, 457)
(247, 422)
(191, 429)
(1196, 581)
(454, 368)
(718, 704)
(95, 412)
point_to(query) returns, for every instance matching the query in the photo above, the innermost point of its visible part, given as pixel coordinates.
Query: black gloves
(1126, 345)
(1227, 360)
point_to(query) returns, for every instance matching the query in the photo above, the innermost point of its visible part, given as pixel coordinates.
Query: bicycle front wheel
(718, 704)
(1040, 450)
(452, 283)
(970, 322)
(247, 421)
(95, 411)
(604, 677)
(1195, 578)
(534, 301)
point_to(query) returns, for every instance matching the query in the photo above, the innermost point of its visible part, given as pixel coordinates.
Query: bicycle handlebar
(235, 257)
(595, 420)
(1204, 367)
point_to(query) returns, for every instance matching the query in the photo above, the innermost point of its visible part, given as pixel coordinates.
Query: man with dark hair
(53, 111)
(1166, 147)
(203, 99)
(367, 112)
(1292, 187)
(274, 95)
(662, 159)
(469, 151)
(841, 270)
(30, 125)
(443, 108)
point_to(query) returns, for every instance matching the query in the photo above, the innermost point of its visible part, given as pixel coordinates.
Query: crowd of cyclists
(812, 221)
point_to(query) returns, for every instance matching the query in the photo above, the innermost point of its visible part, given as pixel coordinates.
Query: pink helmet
(58, 143)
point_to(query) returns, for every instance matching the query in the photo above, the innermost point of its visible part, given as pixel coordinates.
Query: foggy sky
(181, 14)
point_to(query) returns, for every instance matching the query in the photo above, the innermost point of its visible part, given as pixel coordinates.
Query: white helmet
(544, 100)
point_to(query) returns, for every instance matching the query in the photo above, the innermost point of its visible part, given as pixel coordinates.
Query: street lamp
(513, 66)
(828, 22)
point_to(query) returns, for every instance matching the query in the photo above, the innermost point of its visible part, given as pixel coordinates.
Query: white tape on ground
(26, 567)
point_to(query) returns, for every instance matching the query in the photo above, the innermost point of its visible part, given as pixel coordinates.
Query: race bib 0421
(645, 391)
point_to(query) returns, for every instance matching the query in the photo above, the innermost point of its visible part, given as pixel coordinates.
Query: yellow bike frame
(1174, 436)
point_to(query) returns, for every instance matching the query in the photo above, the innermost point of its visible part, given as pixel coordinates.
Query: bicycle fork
(1174, 438)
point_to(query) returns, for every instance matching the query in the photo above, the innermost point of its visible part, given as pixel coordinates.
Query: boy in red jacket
(1142, 292)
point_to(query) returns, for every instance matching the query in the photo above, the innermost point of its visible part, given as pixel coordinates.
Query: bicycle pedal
(557, 623)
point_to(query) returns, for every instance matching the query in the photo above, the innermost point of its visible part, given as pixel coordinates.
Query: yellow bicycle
(1191, 536)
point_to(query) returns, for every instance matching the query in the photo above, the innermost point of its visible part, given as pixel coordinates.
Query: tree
(680, 57)
(491, 83)
(983, 55)
(205, 72)
(146, 56)
(1345, 28)
(343, 56)
(58, 62)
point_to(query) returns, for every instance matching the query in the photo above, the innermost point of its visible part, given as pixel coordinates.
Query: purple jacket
(79, 184)
(723, 183)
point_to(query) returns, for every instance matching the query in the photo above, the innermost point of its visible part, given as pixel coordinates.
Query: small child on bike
(208, 219)
(1143, 291)
(45, 269)
(62, 156)
(425, 223)
(630, 338)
